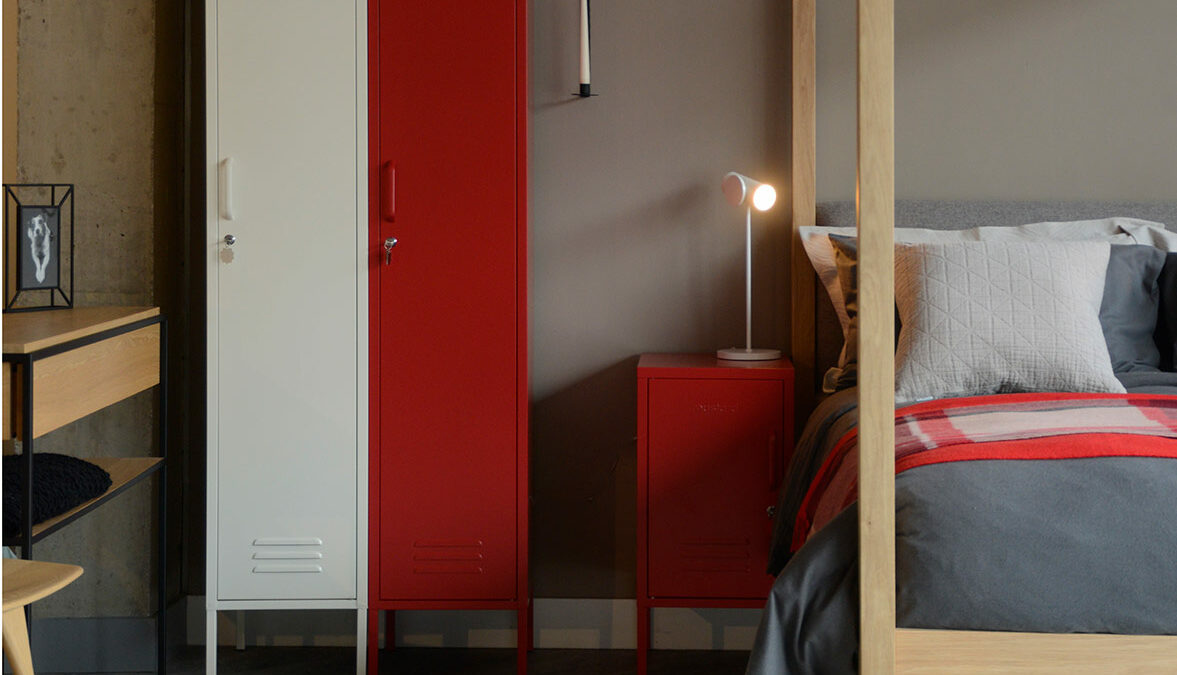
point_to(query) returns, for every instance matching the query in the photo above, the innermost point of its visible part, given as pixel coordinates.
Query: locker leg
(361, 642)
(373, 641)
(523, 636)
(643, 637)
(240, 643)
(531, 623)
(389, 629)
(210, 642)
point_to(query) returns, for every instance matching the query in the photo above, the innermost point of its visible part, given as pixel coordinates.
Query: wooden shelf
(27, 332)
(124, 472)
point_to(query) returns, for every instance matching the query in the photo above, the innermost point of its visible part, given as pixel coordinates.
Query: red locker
(714, 439)
(448, 466)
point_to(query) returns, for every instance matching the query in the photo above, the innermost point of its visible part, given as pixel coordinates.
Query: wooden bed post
(884, 649)
(876, 358)
(804, 287)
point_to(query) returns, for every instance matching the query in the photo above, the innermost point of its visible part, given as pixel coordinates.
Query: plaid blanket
(1010, 426)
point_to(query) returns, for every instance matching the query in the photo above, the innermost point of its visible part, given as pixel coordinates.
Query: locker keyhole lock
(230, 240)
(388, 246)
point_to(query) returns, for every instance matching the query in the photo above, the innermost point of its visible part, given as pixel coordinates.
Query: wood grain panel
(11, 17)
(804, 286)
(977, 652)
(7, 411)
(876, 222)
(28, 332)
(73, 384)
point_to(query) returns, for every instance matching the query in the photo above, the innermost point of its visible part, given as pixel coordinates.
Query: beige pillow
(997, 317)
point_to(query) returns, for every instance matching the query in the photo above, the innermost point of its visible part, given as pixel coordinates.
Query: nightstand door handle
(774, 463)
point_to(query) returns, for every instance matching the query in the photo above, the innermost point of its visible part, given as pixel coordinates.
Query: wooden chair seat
(27, 581)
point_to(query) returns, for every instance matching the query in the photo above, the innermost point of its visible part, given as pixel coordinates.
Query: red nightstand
(714, 439)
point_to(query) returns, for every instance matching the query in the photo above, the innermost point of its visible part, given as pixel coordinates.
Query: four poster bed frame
(883, 647)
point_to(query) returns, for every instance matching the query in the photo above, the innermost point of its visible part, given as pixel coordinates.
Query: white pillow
(996, 317)
(817, 245)
(1117, 230)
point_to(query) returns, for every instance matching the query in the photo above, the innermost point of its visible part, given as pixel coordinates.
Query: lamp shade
(740, 189)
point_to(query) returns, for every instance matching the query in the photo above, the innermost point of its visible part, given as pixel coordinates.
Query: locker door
(447, 316)
(286, 307)
(709, 444)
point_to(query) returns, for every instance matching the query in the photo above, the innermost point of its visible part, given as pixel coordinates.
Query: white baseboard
(560, 623)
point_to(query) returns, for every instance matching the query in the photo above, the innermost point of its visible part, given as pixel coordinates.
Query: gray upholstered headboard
(960, 215)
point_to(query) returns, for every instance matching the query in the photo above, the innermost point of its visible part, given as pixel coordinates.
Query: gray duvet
(1077, 545)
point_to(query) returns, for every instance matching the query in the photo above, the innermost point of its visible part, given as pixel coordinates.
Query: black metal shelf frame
(26, 539)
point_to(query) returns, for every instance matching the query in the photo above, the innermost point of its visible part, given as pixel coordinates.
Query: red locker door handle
(388, 192)
(774, 463)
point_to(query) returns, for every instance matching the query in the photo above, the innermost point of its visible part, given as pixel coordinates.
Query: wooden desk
(62, 365)
(81, 359)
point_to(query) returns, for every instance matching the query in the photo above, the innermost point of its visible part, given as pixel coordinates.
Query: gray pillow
(997, 317)
(1166, 335)
(1128, 313)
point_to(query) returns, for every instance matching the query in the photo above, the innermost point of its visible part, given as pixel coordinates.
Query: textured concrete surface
(86, 116)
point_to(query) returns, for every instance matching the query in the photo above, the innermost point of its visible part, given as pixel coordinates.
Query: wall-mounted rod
(585, 74)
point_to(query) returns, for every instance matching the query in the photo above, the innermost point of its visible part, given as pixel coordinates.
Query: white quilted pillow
(996, 317)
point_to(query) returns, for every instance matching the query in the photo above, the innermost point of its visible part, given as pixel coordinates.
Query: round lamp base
(741, 354)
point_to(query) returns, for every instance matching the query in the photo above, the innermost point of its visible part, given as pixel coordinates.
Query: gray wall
(633, 248)
(1050, 99)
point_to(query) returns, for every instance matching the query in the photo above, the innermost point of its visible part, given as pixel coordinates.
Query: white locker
(287, 319)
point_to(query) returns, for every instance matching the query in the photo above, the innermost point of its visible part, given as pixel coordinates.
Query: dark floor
(407, 661)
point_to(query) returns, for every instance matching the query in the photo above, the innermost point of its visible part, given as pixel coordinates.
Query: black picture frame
(39, 245)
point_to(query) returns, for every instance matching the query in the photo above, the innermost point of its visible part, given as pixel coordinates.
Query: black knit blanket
(60, 483)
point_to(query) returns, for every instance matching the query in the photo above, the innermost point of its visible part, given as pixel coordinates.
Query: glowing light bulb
(764, 197)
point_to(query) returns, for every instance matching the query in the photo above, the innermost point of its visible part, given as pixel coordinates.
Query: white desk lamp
(743, 191)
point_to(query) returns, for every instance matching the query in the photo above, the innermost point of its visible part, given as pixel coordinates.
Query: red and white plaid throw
(1009, 426)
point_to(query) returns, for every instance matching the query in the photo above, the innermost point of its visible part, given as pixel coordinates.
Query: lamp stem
(748, 280)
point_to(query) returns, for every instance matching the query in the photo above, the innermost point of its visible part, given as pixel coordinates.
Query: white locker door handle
(225, 187)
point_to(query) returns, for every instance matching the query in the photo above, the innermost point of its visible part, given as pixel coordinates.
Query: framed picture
(39, 241)
(38, 237)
